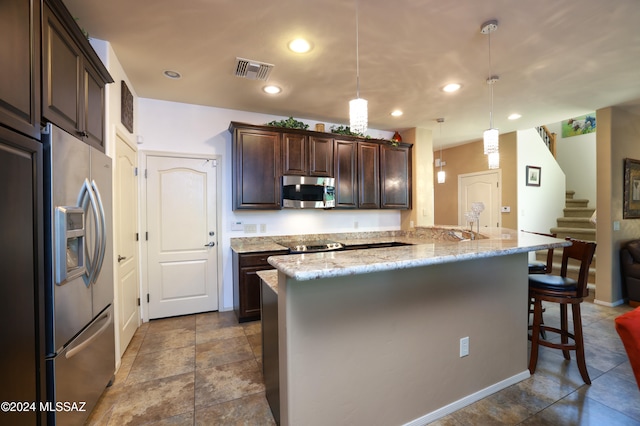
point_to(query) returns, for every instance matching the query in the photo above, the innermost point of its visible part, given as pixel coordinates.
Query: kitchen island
(373, 336)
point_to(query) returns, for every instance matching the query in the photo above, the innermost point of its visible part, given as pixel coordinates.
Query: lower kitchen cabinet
(246, 282)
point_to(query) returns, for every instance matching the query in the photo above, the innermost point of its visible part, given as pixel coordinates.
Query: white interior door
(483, 187)
(182, 245)
(126, 205)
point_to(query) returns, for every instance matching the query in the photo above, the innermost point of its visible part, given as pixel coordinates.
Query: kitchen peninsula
(373, 336)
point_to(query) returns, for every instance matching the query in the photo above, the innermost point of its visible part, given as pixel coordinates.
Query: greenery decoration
(289, 123)
(346, 130)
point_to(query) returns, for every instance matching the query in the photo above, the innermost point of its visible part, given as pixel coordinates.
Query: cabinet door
(249, 292)
(21, 272)
(61, 64)
(320, 156)
(395, 177)
(368, 175)
(295, 154)
(20, 66)
(93, 112)
(345, 174)
(257, 170)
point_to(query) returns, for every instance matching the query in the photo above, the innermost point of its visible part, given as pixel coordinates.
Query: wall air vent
(253, 70)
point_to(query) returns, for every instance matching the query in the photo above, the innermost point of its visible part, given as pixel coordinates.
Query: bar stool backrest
(583, 252)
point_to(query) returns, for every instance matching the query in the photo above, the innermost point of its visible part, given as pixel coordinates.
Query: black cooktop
(314, 246)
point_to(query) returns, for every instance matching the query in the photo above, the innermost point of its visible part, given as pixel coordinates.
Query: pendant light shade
(358, 111)
(358, 115)
(441, 176)
(491, 139)
(494, 160)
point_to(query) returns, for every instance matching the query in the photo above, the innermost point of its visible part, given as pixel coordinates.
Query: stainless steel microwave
(308, 192)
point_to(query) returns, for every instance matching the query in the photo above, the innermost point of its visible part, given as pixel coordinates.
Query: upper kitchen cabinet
(73, 77)
(20, 66)
(395, 177)
(307, 155)
(256, 168)
(368, 175)
(345, 167)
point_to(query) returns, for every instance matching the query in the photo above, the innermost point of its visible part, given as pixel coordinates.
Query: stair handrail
(548, 137)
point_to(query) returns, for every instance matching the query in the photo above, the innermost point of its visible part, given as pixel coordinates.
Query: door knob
(211, 244)
(121, 258)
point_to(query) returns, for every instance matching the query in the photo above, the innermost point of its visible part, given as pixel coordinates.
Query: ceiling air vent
(253, 70)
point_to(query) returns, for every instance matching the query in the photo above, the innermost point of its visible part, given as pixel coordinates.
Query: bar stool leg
(579, 341)
(535, 335)
(564, 326)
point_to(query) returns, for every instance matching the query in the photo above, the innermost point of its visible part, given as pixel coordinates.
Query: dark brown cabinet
(345, 166)
(73, 77)
(320, 156)
(246, 283)
(357, 174)
(22, 275)
(395, 177)
(20, 66)
(307, 155)
(256, 169)
(368, 175)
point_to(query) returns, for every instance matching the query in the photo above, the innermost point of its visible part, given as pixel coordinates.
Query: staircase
(575, 224)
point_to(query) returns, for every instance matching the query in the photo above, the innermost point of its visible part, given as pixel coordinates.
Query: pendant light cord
(357, 55)
(490, 84)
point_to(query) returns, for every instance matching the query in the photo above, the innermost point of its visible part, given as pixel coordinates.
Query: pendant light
(491, 136)
(358, 107)
(441, 173)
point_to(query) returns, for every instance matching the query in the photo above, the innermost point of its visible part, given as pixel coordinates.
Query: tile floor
(205, 369)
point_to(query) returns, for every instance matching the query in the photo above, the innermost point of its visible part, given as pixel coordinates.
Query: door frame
(142, 194)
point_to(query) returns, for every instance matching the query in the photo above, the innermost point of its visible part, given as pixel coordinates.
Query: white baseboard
(469, 399)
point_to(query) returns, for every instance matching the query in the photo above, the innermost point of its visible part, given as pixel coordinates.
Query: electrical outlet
(355, 225)
(464, 347)
(263, 227)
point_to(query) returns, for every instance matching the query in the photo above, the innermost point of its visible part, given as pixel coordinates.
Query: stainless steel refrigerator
(79, 298)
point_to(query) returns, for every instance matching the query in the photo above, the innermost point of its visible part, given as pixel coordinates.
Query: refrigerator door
(72, 307)
(101, 171)
(83, 369)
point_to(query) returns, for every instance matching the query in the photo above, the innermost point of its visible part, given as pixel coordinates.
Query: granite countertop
(270, 277)
(494, 242)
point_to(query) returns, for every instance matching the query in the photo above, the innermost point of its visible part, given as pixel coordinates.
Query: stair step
(569, 194)
(577, 202)
(577, 233)
(575, 222)
(578, 211)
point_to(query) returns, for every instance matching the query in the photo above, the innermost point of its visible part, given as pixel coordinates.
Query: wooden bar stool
(565, 291)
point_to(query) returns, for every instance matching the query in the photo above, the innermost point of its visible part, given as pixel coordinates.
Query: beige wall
(469, 158)
(421, 213)
(383, 348)
(617, 138)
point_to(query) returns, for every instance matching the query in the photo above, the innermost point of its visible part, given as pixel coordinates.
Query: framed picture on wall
(631, 208)
(533, 176)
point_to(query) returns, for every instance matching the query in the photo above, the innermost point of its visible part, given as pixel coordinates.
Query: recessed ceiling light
(396, 113)
(174, 75)
(514, 116)
(300, 45)
(451, 87)
(271, 89)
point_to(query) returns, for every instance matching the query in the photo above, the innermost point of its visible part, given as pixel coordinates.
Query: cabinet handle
(83, 134)
(121, 258)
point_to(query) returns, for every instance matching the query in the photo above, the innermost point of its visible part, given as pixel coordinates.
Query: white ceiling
(555, 58)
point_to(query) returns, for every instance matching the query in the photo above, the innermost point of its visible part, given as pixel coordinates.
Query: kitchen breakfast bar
(374, 336)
